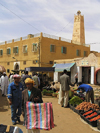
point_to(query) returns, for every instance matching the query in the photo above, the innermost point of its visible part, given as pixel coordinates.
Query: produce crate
(92, 116)
(84, 118)
(93, 123)
(48, 94)
(72, 107)
(86, 111)
(75, 110)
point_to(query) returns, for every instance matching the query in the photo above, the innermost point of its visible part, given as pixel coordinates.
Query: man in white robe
(4, 84)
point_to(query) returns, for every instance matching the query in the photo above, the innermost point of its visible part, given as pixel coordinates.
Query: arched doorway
(97, 76)
(16, 68)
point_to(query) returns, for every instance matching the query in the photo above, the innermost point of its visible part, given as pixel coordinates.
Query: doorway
(86, 75)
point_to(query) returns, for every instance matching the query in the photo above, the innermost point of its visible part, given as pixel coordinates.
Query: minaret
(78, 30)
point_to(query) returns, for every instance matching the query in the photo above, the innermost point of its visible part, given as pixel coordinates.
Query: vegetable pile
(75, 101)
(95, 118)
(93, 114)
(88, 112)
(87, 105)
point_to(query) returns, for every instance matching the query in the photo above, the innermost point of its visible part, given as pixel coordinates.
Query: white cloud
(55, 17)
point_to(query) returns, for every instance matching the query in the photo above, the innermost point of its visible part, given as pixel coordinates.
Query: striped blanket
(39, 116)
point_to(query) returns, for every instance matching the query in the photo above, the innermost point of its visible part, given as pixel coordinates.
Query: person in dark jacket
(31, 93)
(65, 87)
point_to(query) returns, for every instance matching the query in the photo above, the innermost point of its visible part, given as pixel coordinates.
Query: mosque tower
(78, 29)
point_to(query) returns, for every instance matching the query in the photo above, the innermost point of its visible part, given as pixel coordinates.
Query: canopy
(61, 67)
(40, 69)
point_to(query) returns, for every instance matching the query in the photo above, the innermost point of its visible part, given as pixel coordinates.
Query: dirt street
(65, 120)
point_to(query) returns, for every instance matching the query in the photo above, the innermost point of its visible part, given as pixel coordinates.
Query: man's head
(26, 72)
(53, 83)
(65, 71)
(16, 78)
(29, 83)
(79, 83)
(4, 73)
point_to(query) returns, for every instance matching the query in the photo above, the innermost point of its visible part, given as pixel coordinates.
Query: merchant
(15, 98)
(31, 94)
(89, 91)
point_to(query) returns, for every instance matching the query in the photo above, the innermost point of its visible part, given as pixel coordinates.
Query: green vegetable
(75, 101)
(46, 91)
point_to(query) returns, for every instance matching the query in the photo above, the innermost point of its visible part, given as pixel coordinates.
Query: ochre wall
(45, 54)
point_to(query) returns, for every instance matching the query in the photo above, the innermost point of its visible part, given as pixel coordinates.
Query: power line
(20, 17)
(64, 27)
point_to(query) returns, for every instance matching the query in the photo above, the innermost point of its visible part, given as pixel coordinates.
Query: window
(34, 62)
(24, 62)
(85, 53)
(25, 49)
(52, 48)
(8, 70)
(78, 52)
(34, 47)
(1, 52)
(63, 50)
(50, 62)
(15, 50)
(8, 63)
(8, 51)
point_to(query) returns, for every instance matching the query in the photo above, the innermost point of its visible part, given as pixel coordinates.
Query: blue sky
(18, 18)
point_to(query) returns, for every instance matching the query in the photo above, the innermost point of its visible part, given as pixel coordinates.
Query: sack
(39, 116)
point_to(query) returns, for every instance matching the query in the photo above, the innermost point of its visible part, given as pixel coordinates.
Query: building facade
(38, 50)
(88, 68)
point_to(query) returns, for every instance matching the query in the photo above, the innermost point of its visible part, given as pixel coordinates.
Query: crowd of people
(20, 89)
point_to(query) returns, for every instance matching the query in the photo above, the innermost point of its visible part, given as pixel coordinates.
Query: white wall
(73, 72)
(55, 76)
(79, 70)
(92, 75)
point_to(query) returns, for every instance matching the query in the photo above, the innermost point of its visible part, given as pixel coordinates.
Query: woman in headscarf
(31, 94)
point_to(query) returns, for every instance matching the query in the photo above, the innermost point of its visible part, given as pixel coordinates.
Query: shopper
(65, 82)
(25, 77)
(15, 98)
(76, 79)
(36, 80)
(88, 89)
(4, 84)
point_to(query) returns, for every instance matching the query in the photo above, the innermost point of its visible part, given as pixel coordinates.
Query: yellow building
(39, 50)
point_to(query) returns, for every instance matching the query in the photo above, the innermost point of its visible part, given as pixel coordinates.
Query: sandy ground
(65, 120)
